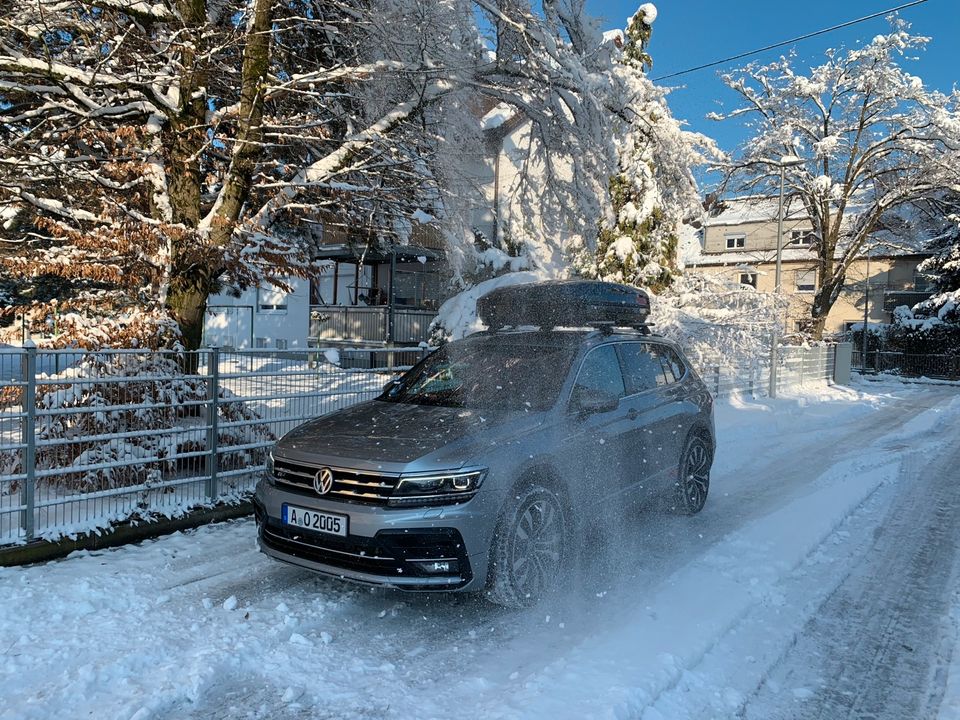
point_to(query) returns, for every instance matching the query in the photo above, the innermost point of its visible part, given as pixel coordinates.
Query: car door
(592, 451)
(679, 410)
(654, 410)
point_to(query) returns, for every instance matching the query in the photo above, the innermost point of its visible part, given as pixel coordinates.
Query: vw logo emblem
(323, 481)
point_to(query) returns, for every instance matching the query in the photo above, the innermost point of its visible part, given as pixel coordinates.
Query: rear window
(489, 375)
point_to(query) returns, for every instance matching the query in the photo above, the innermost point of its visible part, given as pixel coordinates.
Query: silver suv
(476, 469)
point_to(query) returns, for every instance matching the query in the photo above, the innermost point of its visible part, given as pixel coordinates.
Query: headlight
(436, 489)
(268, 472)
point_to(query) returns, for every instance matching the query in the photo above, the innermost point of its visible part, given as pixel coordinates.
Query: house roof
(352, 253)
(753, 209)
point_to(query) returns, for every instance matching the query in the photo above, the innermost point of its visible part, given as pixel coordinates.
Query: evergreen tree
(654, 189)
(944, 267)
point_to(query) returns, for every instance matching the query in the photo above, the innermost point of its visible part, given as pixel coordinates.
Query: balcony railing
(348, 323)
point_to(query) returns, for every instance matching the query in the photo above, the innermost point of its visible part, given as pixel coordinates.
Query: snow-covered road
(820, 581)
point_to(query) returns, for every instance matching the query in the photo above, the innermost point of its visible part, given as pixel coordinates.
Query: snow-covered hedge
(914, 335)
(121, 419)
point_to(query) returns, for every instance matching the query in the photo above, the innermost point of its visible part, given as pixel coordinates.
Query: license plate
(322, 522)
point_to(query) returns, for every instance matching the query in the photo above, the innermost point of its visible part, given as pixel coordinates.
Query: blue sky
(692, 32)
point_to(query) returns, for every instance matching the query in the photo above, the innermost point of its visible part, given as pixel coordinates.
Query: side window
(671, 363)
(599, 374)
(642, 367)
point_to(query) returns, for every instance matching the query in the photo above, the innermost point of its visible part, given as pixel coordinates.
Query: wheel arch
(545, 475)
(701, 430)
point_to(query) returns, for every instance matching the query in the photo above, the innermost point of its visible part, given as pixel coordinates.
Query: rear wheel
(529, 550)
(693, 480)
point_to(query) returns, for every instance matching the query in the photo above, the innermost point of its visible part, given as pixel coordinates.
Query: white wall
(244, 323)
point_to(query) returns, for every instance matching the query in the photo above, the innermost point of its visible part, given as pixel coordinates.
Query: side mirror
(590, 402)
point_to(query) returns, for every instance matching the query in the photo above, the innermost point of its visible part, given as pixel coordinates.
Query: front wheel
(693, 480)
(529, 550)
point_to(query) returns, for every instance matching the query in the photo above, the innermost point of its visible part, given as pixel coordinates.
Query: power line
(789, 42)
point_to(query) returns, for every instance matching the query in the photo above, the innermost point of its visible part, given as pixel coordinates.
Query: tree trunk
(187, 303)
(246, 154)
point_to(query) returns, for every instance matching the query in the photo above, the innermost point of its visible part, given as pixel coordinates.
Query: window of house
(803, 238)
(748, 279)
(271, 300)
(806, 280)
(922, 282)
(281, 343)
(735, 242)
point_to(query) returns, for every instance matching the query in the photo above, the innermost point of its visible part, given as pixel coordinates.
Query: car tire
(529, 551)
(693, 476)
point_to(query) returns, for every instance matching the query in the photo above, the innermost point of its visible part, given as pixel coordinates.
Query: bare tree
(148, 150)
(873, 138)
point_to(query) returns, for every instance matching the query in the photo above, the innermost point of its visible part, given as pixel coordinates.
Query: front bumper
(410, 549)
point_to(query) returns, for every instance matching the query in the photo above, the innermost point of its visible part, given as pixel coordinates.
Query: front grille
(349, 485)
(388, 554)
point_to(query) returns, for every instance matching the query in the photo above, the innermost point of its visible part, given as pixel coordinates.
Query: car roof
(562, 338)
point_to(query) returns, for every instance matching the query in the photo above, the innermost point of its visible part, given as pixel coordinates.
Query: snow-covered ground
(819, 581)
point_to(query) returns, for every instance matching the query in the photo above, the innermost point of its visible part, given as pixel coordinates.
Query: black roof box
(566, 303)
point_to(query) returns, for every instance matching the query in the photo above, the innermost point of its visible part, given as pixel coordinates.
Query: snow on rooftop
(754, 209)
(422, 217)
(497, 116)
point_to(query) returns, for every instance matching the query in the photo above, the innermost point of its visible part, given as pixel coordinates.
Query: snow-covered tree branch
(872, 138)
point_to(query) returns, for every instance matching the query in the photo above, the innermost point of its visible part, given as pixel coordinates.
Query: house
(739, 241)
(369, 292)
(363, 294)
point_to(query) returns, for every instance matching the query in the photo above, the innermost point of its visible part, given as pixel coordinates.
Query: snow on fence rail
(91, 438)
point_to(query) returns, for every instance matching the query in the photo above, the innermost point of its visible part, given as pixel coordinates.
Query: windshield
(487, 375)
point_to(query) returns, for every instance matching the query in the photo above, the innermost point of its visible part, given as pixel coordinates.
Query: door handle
(632, 414)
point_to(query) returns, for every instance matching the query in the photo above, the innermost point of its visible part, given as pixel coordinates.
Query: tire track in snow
(875, 648)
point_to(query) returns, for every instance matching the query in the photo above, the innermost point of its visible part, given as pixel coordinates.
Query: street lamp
(866, 318)
(784, 162)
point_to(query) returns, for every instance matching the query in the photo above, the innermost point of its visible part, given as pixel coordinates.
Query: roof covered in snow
(753, 209)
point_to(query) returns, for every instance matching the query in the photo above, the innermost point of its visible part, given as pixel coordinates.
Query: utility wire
(788, 42)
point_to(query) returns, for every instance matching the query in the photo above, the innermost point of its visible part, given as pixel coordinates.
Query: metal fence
(88, 439)
(368, 324)
(944, 367)
(796, 368)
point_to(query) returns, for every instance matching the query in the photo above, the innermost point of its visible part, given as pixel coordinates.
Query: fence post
(716, 379)
(213, 435)
(803, 363)
(772, 391)
(29, 438)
